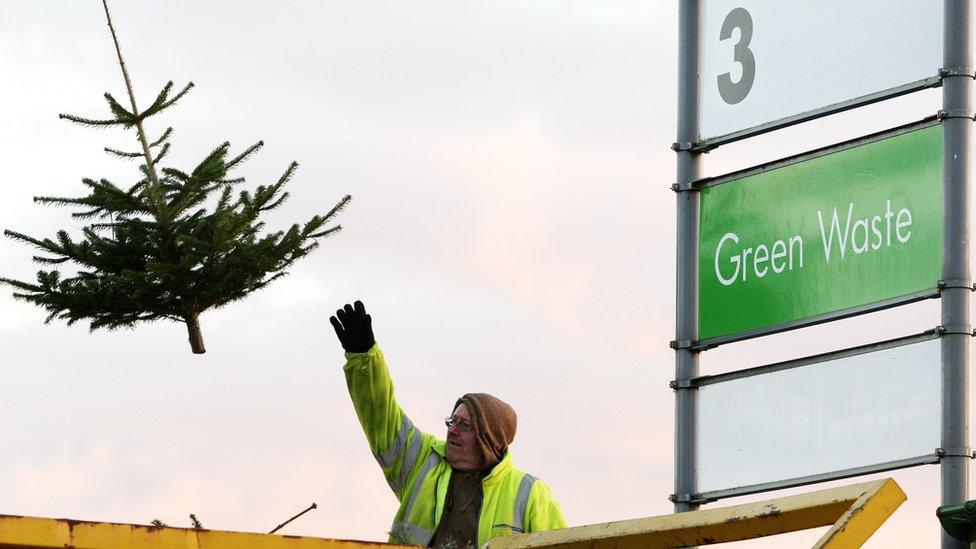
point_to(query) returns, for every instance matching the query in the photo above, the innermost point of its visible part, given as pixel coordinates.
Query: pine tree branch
(88, 121)
(126, 118)
(244, 155)
(104, 195)
(281, 200)
(162, 138)
(46, 245)
(122, 154)
(326, 232)
(161, 103)
(61, 201)
(162, 153)
(50, 260)
(187, 88)
(22, 285)
(338, 207)
(160, 99)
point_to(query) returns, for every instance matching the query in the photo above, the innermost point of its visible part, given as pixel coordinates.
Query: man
(458, 492)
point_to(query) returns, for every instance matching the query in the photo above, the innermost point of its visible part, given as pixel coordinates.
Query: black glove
(354, 328)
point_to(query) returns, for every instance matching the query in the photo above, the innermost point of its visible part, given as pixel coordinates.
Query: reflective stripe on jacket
(417, 471)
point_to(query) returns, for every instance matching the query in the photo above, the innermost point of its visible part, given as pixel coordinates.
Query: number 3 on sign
(735, 92)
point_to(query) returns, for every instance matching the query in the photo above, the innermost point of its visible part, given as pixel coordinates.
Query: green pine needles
(154, 250)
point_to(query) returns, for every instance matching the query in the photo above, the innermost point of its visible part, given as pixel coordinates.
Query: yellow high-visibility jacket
(417, 470)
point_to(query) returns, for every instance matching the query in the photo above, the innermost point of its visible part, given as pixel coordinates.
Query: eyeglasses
(462, 426)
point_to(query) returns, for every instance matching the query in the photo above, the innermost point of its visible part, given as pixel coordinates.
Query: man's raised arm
(395, 442)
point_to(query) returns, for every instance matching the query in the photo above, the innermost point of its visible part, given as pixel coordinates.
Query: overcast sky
(511, 231)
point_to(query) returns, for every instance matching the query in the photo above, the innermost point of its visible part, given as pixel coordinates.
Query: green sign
(821, 235)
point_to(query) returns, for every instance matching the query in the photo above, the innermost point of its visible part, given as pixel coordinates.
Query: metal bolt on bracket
(957, 71)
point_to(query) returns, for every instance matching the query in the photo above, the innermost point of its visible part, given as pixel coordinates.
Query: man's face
(463, 450)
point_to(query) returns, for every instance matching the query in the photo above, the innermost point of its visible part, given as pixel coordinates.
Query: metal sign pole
(957, 128)
(686, 321)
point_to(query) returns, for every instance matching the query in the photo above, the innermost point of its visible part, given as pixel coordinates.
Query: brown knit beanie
(494, 423)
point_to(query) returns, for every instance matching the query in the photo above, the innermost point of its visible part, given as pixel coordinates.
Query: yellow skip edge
(856, 512)
(864, 517)
(31, 532)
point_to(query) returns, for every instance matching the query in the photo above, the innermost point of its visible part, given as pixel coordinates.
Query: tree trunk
(196, 336)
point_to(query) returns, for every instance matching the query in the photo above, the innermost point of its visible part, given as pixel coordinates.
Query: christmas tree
(170, 246)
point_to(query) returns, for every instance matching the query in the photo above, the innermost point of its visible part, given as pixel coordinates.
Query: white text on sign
(859, 234)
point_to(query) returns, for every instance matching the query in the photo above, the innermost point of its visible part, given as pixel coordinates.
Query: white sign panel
(766, 60)
(820, 418)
